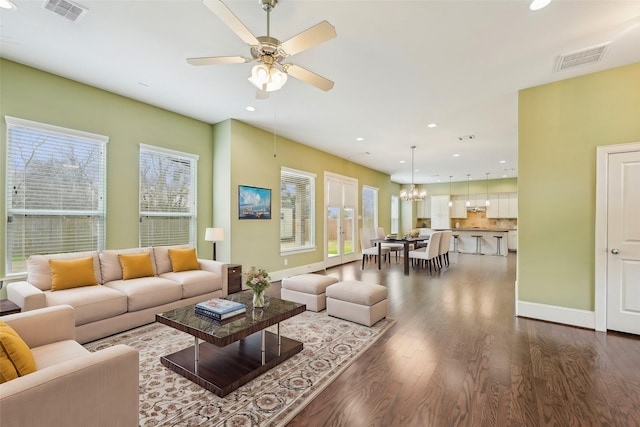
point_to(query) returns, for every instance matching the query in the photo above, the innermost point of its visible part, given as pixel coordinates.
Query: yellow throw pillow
(72, 273)
(135, 265)
(16, 359)
(183, 259)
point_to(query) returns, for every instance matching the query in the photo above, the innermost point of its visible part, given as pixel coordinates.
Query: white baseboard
(551, 313)
(309, 268)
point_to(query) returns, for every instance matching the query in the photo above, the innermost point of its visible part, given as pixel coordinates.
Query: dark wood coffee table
(234, 351)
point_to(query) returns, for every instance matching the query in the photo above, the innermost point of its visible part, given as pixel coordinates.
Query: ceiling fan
(271, 73)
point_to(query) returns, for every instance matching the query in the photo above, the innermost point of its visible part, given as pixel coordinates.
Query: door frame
(601, 244)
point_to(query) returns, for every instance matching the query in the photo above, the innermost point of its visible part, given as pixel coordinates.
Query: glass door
(341, 207)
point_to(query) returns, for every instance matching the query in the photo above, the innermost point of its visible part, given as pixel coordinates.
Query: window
(297, 210)
(370, 210)
(395, 214)
(167, 197)
(55, 191)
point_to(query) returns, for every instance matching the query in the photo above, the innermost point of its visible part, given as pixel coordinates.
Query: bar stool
(455, 242)
(478, 245)
(499, 243)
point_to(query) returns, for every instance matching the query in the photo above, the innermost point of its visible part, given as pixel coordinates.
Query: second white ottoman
(307, 289)
(359, 302)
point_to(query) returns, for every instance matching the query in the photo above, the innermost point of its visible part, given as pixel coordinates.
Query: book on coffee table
(220, 306)
(219, 317)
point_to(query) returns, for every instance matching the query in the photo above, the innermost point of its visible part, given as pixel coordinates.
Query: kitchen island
(467, 244)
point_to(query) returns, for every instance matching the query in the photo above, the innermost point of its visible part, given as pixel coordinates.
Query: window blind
(167, 197)
(297, 210)
(56, 180)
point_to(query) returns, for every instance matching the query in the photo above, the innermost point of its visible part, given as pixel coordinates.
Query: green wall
(230, 153)
(252, 162)
(35, 95)
(560, 126)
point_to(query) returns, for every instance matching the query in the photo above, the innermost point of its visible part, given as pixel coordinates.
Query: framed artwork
(254, 202)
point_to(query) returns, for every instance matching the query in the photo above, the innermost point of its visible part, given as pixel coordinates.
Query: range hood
(476, 208)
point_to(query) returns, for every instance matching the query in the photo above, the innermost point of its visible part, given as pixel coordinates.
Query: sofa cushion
(16, 359)
(57, 352)
(90, 303)
(135, 265)
(39, 272)
(146, 292)
(195, 282)
(161, 256)
(110, 263)
(183, 259)
(72, 273)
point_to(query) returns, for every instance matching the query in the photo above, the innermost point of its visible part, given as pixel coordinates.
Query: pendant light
(487, 202)
(468, 200)
(413, 195)
(450, 201)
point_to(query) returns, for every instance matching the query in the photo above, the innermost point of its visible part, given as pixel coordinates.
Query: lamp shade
(214, 234)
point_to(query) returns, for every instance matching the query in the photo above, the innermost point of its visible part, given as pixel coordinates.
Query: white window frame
(374, 191)
(64, 141)
(297, 224)
(395, 214)
(192, 202)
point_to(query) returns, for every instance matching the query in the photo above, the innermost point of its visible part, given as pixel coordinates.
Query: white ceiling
(397, 66)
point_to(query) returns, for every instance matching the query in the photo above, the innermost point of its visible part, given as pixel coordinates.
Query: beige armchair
(71, 386)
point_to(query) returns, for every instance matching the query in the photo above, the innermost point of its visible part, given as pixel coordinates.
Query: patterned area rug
(272, 399)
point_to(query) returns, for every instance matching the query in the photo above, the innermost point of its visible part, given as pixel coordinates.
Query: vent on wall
(582, 57)
(65, 8)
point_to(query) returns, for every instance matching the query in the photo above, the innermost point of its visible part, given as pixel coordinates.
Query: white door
(341, 201)
(623, 243)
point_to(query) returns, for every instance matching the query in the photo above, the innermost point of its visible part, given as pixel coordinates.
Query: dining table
(406, 241)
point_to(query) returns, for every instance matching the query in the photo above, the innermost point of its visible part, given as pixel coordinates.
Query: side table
(234, 277)
(8, 307)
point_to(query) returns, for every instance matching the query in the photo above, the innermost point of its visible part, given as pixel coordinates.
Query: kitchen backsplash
(479, 219)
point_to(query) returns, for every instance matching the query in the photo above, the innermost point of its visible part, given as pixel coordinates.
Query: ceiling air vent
(65, 8)
(467, 137)
(582, 57)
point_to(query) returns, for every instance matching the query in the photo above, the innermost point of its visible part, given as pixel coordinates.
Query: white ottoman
(359, 302)
(307, 289)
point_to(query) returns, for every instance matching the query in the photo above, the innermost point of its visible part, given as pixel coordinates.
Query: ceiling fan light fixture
(267, 78)
(259, 75)
(538, 4)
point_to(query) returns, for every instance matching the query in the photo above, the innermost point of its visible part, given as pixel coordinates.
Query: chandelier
(414, 194)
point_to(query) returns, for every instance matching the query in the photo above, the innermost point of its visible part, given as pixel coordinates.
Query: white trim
(297, 171)
(45, 127)
(556, 314)
(601, 231)
(309, 268)
(169, 152)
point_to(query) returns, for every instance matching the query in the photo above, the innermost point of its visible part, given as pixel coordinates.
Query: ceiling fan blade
(232, 21)
(310, 37)
(213, 60)
(307, 76)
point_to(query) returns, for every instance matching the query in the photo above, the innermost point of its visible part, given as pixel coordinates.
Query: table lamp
(214, 235)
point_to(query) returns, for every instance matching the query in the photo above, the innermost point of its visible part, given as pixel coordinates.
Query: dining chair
(443, 252)
(369, 249)
(429, 253)
(393, 247)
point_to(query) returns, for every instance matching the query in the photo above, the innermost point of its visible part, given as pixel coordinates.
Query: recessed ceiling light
(504, 176)
(6, 4)
(503, 161)
(250, 108)
(402, 161)
(359, 139)
(432, 125)
(456, 155)
(538, 4)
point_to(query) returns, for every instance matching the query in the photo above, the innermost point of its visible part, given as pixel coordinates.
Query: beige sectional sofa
(116, 304)
(71, 386)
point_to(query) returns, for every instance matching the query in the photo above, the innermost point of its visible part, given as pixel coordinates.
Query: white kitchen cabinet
(423, 208)
(440, 218)
(459, 208)
(503, 205)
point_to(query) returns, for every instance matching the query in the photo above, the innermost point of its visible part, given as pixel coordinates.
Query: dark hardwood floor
(457, 355)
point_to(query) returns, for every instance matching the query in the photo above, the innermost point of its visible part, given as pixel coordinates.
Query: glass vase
(258, 299)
